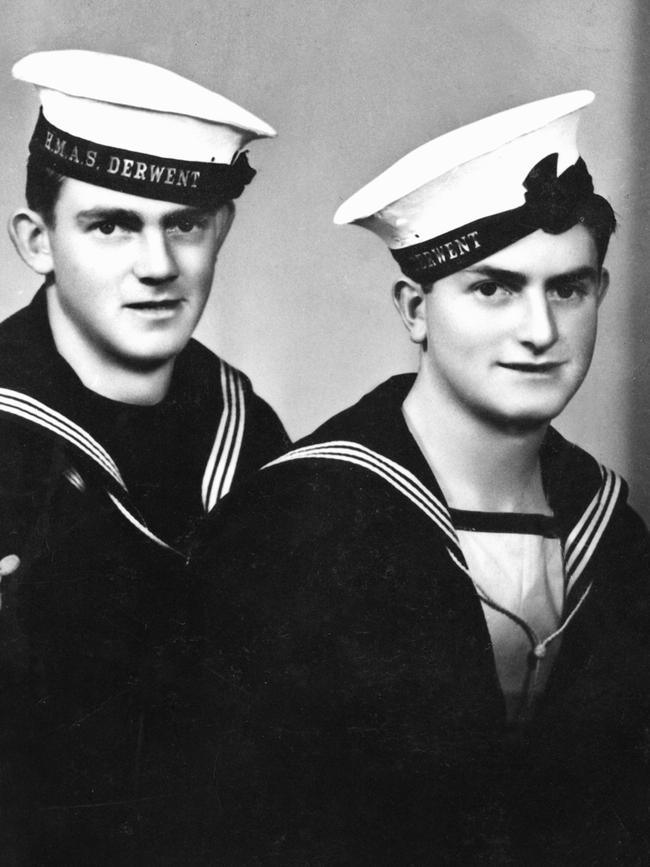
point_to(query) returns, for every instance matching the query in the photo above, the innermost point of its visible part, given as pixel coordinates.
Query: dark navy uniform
(353, 684)
(98, 498)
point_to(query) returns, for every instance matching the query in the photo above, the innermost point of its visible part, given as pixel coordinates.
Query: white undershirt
(516, 562)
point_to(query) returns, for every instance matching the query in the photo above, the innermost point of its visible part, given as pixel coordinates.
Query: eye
(186, 225)
(111, 227)
(489, 289)
(569, 291)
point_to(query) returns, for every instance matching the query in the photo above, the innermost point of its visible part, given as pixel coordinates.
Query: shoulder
(234, 390)
(197, 357)
(16, 323)
(335, 474)
(304, 499)
(591, 501)
(564, 461)
(330, 512)
(25, 451)
(577, 482)
(203, 365)
(19, 338)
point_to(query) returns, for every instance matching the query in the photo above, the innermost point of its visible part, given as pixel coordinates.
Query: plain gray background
(302, 306)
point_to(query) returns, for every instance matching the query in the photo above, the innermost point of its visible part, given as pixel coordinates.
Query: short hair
(598, 217)
(42, 189)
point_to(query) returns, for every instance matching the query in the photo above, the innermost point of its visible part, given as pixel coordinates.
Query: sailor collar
(383, 445)
(40, 390)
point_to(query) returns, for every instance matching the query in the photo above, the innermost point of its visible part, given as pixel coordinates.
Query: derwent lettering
(139, 170)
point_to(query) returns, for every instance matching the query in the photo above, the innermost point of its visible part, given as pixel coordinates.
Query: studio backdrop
(304, 307)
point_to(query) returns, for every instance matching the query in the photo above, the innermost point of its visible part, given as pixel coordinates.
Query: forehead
(76, 196)
(542, 255)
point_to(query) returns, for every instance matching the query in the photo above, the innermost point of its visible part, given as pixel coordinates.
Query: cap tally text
(551, 203)
(181, 181)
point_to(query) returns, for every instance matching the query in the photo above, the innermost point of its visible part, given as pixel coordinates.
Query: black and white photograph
(325, 434)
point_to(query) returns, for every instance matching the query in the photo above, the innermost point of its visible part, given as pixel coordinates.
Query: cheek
(581, 333)
(198, 265)
(465, 334)
(83, 263)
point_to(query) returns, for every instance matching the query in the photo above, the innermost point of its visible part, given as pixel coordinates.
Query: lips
(158, 304)
(532, 367)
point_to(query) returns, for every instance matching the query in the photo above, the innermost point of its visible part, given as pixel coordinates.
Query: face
(131, 275)
(510, 339)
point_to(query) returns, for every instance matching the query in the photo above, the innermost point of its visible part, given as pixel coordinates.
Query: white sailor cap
(128, 125)
(469, 193)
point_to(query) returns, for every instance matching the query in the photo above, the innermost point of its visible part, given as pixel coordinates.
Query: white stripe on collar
(581, 542)
(580, 546)
(141, 526)
(395, 474)
(222, 463)
(24, 406)
(585, 536)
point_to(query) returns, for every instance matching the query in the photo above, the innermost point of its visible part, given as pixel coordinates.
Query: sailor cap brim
(450, 152)
(477, 189)
(120, 122)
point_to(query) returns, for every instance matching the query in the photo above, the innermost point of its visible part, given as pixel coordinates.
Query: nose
(155, 262)
(538, 327)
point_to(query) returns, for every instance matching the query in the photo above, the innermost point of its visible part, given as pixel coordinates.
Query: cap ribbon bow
(552, 201)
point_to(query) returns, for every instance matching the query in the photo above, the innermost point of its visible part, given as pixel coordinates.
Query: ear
(224, 217)
(409, 299)
(604, 285)
(31, 238)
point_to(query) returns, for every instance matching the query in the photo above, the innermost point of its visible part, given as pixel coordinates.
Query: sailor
(119, 433)
(430, 630)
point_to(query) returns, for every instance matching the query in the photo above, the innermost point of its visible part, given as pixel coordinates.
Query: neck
(479, 466)
(103, 373)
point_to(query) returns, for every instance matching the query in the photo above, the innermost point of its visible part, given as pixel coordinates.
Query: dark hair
(597, 215)
(42, 190)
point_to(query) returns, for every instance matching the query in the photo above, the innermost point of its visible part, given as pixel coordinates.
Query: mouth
(159, 310)
(157, 305)
(533, 367)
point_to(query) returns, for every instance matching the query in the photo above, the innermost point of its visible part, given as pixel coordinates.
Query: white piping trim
(581, 542)
(222, 463)
(24, 406)
(401, 479)
(17, 403)
(142, 527)
(212, 459)
(577, 530)
(584, 538)
(570, 617)
(51, 420)
(231, 466)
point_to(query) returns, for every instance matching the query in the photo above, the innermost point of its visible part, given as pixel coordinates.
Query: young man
(430, 629)
(119, 432)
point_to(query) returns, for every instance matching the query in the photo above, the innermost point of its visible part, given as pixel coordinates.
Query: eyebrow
(500, 275)
(126, 217)
(516, 278)
(578, 275)
(191, 213)
(121, 216)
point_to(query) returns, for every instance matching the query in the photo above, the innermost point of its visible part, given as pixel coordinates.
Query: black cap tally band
(187, 183)
(552, 203)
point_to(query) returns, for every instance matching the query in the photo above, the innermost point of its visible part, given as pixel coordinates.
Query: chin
(523, 419)
(149, 361)
(534, 410)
